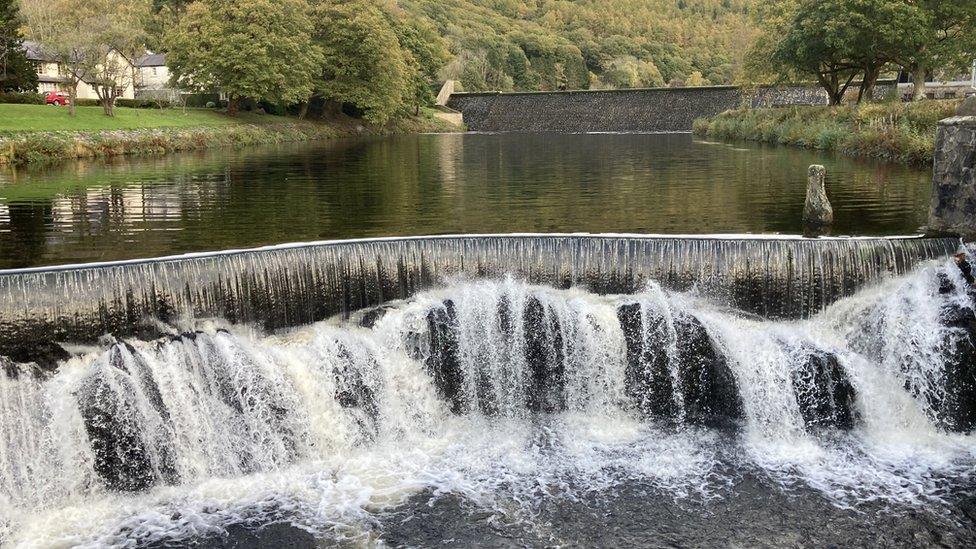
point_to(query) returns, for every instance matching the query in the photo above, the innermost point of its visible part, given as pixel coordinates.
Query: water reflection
(435, 184)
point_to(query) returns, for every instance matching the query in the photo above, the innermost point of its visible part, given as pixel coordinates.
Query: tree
(948, 41)
(805, 42)
(426, 52)
(60, 27)
(363, 62)
(93, 41)
(16, 71)
(260, 49)
(117, 41)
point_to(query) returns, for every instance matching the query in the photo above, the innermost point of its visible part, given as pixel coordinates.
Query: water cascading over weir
(131, 375)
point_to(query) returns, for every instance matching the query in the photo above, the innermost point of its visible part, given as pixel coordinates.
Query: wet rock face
(44, 354)
(442, 360)
(957, 412)
(115, 426)
(679, 376)
(824, 392)
(544, 355)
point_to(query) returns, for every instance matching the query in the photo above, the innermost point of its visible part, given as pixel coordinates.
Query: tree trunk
(72, 96)
(918, 83)
(866, 92)
(108, 105)
(232, 105)
(303, 110)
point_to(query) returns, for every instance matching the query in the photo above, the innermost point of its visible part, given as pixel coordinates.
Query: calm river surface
(435, 184)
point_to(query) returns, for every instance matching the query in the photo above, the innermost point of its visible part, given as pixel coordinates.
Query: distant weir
(295, 284)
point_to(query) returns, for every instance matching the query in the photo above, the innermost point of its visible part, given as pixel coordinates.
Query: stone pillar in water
(953, 207)
(817, 213)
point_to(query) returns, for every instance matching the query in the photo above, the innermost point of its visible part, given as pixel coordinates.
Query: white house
(152, 78)
(51, 76)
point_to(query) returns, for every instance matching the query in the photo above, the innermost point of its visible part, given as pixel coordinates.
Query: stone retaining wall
(954, 178)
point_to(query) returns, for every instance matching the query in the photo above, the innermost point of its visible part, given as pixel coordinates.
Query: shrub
(143, 103)
(903, 132)
(22, 98)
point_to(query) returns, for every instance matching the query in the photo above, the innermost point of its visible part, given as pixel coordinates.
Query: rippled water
(435, 184)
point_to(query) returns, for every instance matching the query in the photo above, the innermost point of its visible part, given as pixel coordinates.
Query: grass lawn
(40, 118)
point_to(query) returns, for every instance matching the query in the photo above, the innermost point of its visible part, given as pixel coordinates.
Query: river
(436, 184)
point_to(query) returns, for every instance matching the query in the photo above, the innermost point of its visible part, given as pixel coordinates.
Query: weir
(291, 285)
(598, 374)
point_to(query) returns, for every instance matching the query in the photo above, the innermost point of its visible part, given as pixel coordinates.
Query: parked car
(56, 98)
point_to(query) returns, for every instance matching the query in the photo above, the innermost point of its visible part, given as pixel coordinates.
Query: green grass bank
(32, 134)
(899, 132)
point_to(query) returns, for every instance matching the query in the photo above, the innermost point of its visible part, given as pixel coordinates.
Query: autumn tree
(363, 62)
(425, 53)
(16, 71)
(260, 49)
(60, 28)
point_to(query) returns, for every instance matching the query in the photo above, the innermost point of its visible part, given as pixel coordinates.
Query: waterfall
(480, 386)
(292, 285)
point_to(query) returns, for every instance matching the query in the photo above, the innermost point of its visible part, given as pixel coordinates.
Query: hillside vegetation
(555, 44)
(902, 132)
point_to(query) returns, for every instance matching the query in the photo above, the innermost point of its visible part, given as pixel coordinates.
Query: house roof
(152, 60)
(36, 53)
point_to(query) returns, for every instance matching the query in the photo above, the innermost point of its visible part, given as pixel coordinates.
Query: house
(152, 78)
(51, 76)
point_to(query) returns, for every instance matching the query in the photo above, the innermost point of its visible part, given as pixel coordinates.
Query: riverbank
(31, 134)
(898, 132)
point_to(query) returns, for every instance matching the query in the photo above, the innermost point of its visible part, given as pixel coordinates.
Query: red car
(56, 98)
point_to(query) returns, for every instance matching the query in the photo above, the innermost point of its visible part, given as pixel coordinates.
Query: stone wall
(954, 178)
(650, 110)
(639, 110)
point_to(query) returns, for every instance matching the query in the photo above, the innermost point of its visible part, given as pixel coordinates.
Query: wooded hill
(578, 44)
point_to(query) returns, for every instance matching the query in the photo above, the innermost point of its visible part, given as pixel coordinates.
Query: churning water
(493, 411)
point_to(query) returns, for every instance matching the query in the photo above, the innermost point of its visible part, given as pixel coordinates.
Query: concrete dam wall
(636, 110)
(291, 285)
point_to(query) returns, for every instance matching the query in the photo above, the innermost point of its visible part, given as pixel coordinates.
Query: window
(39, 67)
(118, 92)
(154, 71)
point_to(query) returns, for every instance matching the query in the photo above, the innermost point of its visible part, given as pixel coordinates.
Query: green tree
(364, 64)
(260, 49)
(425, 53)
(16, 71)
(947, 41)
(806, 39)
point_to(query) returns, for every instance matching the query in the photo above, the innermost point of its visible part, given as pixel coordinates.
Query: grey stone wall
(643, 110)
(954, 178)
(650, 110)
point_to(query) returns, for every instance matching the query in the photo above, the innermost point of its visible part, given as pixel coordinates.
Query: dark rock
(956, 411)
(115, 426)
(442, 361)
(544, 355)
(648, 381)
(706, 388)
(45, 354)
(372, 316)
(353, 391)
(824, 392)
